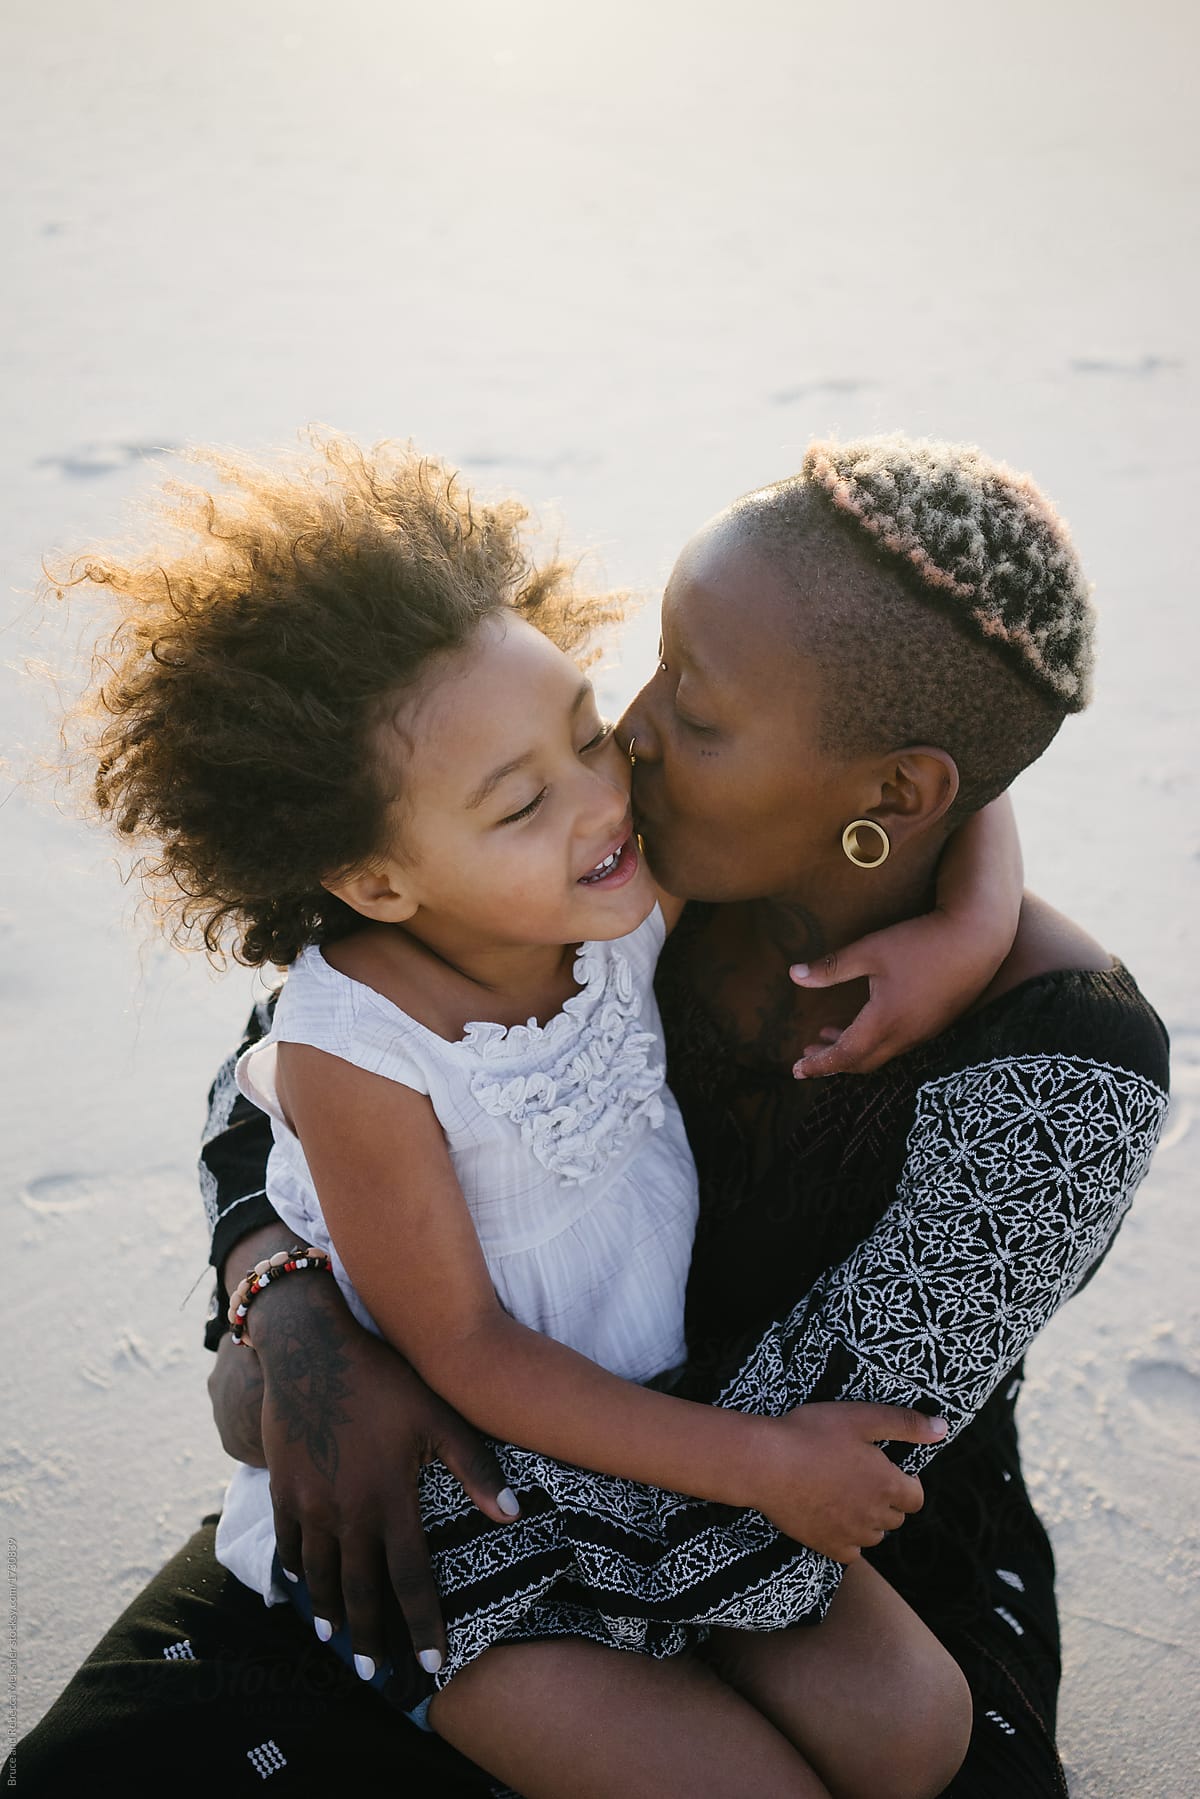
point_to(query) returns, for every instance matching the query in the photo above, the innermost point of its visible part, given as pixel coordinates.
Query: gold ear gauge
(857, 852)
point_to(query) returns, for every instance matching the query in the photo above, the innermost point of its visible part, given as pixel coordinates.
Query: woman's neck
(805, 926)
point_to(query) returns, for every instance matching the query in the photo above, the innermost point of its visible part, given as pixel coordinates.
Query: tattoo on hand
(250, 1369)
(308, 1384)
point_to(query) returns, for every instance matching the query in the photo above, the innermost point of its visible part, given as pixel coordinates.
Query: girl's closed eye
(526, 811)
(593, 743)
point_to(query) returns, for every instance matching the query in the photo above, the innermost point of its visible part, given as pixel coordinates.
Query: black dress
(907, 1233)
(959, 1194)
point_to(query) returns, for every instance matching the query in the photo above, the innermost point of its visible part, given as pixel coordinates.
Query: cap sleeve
(328, 1011)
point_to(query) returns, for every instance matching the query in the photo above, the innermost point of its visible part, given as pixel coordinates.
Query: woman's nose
(635, 730)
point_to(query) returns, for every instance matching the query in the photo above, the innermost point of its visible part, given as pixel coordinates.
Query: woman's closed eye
(689, 724)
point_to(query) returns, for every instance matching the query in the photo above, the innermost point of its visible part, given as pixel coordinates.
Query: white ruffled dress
(569, 1149)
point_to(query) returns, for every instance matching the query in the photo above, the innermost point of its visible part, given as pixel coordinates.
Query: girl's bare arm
(395, 1210)
(927, 971)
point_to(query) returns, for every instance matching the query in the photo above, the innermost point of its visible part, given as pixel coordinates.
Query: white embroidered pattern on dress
(578, 1109)
(1017, 1175)
(221, 1100)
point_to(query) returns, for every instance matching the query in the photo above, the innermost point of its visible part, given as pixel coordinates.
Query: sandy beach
(626, 262)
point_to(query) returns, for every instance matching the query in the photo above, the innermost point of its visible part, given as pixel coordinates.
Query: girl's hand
(346, 1427)
(925, 972)
(824, 1481)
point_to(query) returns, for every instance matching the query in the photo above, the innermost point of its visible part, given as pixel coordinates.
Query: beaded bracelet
(285, 1261)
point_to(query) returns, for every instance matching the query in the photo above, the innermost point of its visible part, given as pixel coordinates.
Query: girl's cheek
(613, 763)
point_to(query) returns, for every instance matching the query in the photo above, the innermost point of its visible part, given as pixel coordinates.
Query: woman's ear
(379, 893)
(917, 788)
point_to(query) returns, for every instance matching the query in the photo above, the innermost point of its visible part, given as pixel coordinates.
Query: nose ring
(632, 757)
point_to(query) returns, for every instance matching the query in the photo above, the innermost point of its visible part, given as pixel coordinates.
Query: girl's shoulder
(325, 1007)
(383, 967)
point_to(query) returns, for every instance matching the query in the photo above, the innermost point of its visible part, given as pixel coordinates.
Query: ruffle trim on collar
(600, 1076)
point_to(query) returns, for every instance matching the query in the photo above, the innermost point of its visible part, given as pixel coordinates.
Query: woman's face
(732, 792)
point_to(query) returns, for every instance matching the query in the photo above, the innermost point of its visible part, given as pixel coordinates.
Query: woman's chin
(684, 877)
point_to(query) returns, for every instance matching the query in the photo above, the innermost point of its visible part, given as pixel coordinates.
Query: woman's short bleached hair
(232, 727)
(943, 597)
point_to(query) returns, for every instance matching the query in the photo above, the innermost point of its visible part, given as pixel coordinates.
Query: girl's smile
(514, 833)
(617, 866)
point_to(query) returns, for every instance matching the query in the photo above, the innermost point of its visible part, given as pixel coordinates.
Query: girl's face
(515, 826)
(733, 791)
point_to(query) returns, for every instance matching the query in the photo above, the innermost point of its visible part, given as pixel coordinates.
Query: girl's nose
(604, 801)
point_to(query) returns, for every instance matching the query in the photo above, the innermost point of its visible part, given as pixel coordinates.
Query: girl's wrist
(751, 1461)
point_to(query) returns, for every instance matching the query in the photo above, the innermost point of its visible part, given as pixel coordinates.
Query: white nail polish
(288, 1575)
(508, 1502)
(430, 1660)
(323, 1628)
(364, 1667)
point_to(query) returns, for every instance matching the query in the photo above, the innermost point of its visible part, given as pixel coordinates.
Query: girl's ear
(917, 788)
(379, 893)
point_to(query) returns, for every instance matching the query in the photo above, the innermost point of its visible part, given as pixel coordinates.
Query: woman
(851, 661)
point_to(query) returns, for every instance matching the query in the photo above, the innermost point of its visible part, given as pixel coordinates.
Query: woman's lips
(622, 870)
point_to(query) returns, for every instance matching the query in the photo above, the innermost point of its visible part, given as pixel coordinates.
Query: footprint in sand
(54, 1195)
(1139, 367)
(85, 461)
(1167, 1395)
(829, 384)
(25, 1473)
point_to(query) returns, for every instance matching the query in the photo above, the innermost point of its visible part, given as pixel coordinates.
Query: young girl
(344, 712)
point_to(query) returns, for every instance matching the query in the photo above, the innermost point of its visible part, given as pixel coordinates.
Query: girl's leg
(569, 1716)
(871, 1698)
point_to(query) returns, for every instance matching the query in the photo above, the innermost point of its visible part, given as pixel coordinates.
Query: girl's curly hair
(231, 715)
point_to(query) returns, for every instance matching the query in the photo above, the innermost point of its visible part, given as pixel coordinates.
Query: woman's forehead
(728, 612)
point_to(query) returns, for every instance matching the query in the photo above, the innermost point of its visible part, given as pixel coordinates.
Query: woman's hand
(822, 1479)
(235, 1392)
(346, 1425)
